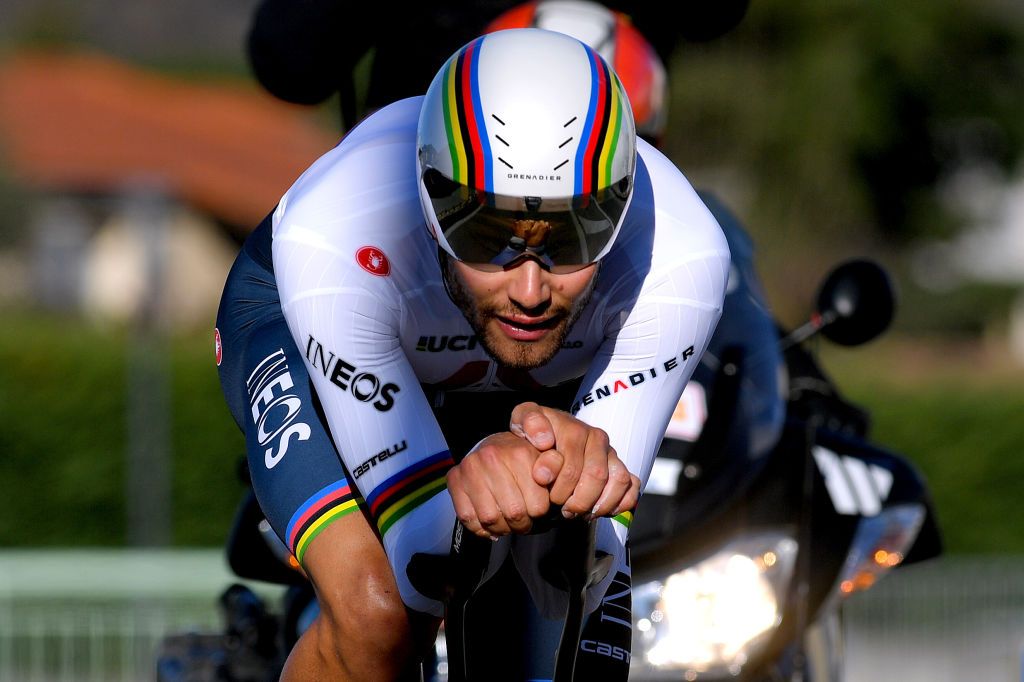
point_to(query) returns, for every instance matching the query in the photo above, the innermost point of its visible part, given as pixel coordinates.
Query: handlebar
(572, 565)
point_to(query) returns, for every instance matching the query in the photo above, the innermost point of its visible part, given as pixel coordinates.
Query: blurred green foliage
(840, 116)
(62, 400)
(64, 436)
(833, 127)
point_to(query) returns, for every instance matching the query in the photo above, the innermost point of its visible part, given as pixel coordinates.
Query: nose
(528, 286)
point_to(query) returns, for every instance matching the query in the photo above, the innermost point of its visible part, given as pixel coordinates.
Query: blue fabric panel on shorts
(291, 455)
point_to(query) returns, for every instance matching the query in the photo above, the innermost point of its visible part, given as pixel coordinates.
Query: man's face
(521, 314)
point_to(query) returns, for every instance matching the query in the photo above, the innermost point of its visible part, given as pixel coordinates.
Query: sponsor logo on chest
(438, 344)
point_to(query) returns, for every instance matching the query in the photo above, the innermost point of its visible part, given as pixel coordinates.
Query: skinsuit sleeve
(343, 312)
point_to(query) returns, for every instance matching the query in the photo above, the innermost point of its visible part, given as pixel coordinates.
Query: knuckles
(488, 517)
(537, 508)
(570, 471)
(621, 476)
(517, 515)
(596, 472)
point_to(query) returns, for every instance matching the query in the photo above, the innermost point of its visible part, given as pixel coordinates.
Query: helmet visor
(491, 232)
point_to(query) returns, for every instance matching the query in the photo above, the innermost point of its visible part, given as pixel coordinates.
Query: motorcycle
(767, 507)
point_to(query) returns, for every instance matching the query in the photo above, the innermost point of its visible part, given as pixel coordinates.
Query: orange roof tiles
(84, 122)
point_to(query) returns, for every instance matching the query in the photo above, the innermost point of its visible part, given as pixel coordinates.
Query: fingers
(578, 465)
(546, 428)
(573, 461)
(621, 492)
(579, 448)
(630, 499)
(493, 488)
(548, 464)
(583, 478)
(531, 421)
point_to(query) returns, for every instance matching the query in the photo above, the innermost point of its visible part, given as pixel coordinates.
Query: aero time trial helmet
(614, 36)
(526, 147)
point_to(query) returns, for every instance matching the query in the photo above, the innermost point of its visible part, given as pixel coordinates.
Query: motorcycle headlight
(715, 615)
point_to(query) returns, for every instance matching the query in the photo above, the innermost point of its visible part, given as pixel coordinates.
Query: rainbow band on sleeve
(408, 489)
(318, 512)
(464, 120)
(625, 518)
(600, 136)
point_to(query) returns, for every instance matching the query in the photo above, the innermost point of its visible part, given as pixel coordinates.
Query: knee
(369, 621)
(364, 630)
(373, 609)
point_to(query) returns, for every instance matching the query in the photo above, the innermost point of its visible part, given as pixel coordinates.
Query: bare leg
(364, 631)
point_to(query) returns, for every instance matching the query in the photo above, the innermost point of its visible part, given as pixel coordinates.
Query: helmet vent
(566, 142)
(560, 165)
(497, 119)
(499, 139)
(566, 124)
(505, 162)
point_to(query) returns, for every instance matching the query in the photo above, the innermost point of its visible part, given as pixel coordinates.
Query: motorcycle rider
(614, 35)
(564, 263)
(304, 52)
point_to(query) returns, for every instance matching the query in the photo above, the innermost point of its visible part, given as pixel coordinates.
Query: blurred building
(140, 186)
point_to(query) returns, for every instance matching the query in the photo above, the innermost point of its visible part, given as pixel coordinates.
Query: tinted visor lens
(491, 232)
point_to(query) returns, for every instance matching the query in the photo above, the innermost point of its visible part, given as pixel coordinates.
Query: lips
(527, 329)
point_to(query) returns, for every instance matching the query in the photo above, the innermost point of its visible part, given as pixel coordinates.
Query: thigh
(296, 473)
(295, 470)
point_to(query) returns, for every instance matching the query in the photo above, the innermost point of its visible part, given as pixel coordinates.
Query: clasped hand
(546, 457)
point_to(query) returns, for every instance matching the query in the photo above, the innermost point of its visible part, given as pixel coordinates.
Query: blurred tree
(841, 117)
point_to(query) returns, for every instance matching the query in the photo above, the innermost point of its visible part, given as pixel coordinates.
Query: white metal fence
(84, 616)
(949, 620)
(97, 616)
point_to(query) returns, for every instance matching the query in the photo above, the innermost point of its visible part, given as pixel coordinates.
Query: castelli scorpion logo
(218, 346)
(373, 260)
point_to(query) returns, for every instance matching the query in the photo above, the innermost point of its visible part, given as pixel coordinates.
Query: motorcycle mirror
(856, 303)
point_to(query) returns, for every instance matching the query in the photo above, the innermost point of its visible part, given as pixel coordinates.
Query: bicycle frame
(500, 609)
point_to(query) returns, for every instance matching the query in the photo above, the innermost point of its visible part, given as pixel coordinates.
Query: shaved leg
(363, 631)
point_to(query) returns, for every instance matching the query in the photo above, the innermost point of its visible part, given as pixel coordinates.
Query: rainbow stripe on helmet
(596, 151)
(466, 125)
(464, 120)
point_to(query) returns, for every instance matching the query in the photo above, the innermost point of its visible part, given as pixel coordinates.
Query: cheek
(479, 285)
(483, 287)
(575, 285)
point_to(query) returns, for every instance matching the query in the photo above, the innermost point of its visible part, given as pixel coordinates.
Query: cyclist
(391, 377)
